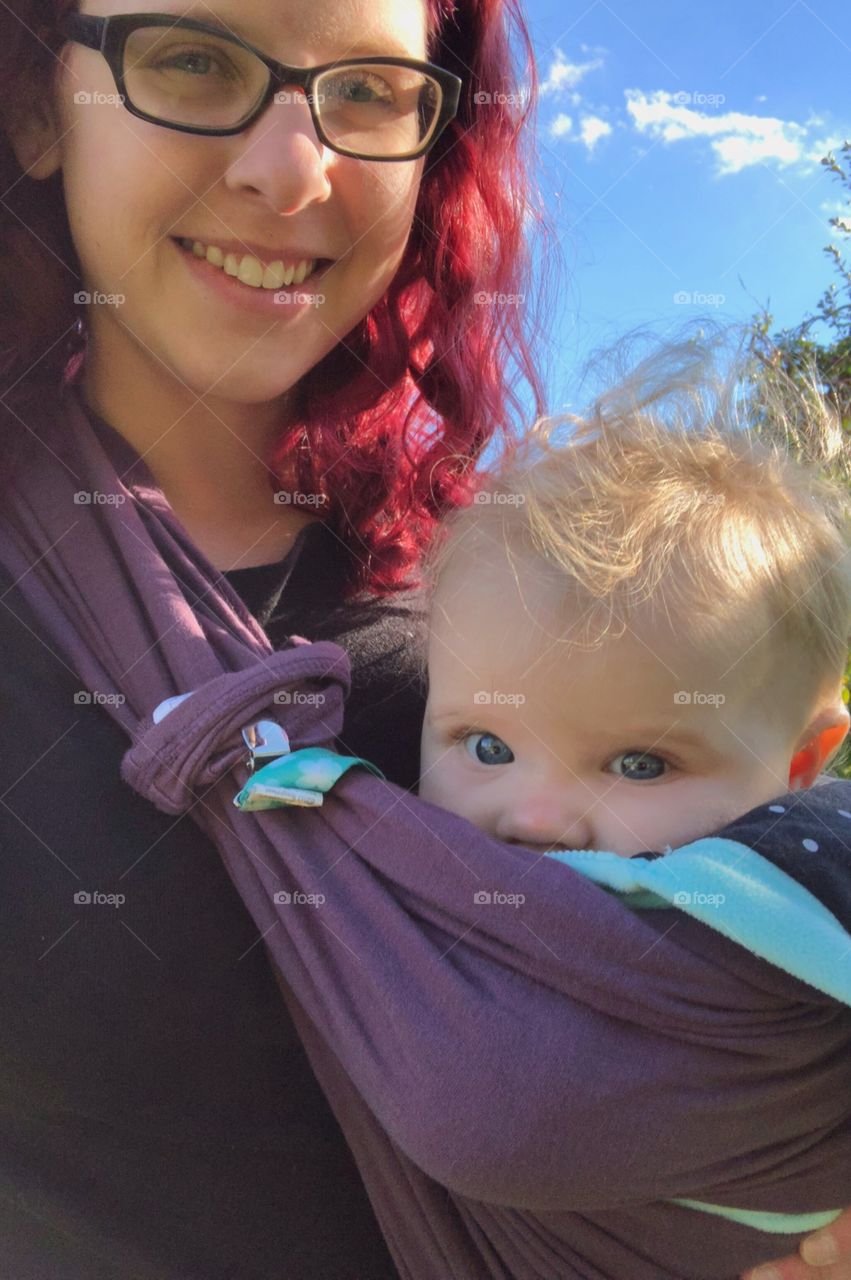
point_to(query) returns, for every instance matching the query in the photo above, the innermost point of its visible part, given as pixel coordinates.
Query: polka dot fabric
(808, 835)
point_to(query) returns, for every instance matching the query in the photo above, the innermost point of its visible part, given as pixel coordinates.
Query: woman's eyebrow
(378, 46)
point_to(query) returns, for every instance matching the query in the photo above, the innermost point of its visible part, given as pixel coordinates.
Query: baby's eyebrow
(652, 739)
(670, 733)
(646, 737)
(453, 713)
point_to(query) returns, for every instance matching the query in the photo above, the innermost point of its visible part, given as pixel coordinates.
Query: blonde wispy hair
(706, 489)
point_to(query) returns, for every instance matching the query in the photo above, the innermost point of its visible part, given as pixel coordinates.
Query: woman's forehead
(333, 28)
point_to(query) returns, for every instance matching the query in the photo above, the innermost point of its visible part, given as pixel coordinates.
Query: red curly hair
(392, 421)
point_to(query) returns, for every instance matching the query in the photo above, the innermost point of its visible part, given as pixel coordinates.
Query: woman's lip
(278, 304)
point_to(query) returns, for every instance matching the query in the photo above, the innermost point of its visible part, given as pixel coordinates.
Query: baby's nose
(547, 823)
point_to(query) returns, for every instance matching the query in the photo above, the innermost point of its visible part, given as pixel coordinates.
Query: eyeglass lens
(197, 79)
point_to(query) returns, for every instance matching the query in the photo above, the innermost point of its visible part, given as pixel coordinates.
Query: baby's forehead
(527, 631)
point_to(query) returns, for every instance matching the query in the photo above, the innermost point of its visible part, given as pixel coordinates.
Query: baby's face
(634, 746)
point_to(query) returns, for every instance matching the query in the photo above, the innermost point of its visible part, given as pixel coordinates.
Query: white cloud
(821, 147)
(593, 129)
(560, 126)
(737, 139)
(565, 75)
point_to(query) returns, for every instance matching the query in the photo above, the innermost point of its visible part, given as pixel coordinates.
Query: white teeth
(273, 276)
(250, 270)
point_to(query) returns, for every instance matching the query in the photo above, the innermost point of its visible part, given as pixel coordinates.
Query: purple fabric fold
(524, 1090)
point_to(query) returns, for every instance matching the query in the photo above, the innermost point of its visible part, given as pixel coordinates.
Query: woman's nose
(281, 157)
(547, 821)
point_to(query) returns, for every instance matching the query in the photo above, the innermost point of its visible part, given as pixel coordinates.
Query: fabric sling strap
(136, 611)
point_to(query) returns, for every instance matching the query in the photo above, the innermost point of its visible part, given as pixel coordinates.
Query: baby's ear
(821, 739)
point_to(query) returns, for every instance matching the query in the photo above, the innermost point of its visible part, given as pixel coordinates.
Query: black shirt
(158, 1117)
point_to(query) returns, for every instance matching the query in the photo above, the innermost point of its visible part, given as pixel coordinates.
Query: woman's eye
(638, 765)
(362, 89)
(487, 748)
(195, 61)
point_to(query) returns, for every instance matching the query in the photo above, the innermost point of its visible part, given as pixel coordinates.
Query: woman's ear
(35, 137)
(823, 736)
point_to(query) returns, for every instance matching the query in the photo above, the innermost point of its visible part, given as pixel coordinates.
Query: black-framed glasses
(198, 78)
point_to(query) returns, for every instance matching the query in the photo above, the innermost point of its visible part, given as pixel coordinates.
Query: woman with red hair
(255, 254)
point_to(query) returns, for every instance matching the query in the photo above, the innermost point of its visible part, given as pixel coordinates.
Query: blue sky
(679, 148)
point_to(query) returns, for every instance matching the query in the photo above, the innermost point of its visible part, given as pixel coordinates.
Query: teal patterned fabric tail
(297, 778)
(791, 1224)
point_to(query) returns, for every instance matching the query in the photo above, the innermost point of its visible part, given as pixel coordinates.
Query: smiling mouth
(250, 271)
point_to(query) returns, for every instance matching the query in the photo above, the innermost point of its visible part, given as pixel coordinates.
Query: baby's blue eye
(487, 748)
(638, 765)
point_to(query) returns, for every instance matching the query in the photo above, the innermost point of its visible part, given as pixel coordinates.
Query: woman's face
(134, 188)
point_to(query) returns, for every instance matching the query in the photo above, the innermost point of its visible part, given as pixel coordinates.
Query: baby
(636, 636)
(640, 633)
